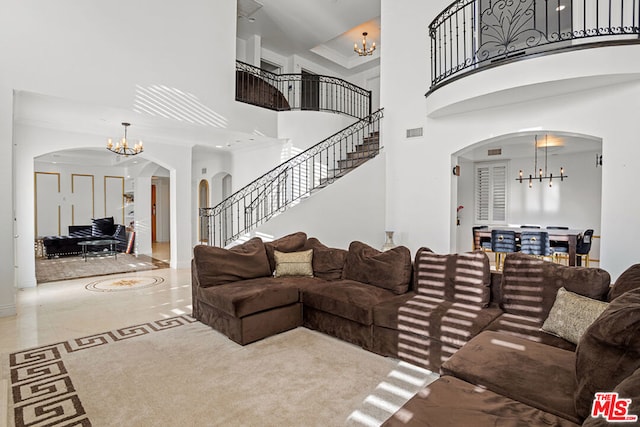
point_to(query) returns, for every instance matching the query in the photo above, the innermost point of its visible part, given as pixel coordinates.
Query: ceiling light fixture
(364, 50)
(122, 147)
(540, 176)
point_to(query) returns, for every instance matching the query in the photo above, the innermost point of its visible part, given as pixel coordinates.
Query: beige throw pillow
(294, 263)
(572, 314)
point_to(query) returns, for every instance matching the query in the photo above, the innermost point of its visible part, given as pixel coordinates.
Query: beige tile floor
(59, 311)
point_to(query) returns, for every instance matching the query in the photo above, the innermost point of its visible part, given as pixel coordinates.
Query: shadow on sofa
(100, 229)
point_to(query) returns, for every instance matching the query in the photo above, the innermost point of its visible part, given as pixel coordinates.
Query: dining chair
(530, 226)
(536, 243)
(560, 249)
(583, 247)
(485, 242)
(502, 243)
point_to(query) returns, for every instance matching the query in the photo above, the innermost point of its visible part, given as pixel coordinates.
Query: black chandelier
(122, 147)
(540, 176)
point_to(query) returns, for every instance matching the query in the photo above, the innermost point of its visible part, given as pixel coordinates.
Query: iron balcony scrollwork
(472, 34)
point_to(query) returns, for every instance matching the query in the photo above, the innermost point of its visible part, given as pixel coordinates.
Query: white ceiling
(323, 31)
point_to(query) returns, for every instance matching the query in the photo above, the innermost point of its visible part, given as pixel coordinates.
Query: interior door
(153, 213)
(310, 91)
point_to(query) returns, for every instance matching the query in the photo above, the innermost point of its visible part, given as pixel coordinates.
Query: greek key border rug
(178, 371)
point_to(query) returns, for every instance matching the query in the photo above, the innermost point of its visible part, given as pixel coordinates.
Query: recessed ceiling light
(218, 146)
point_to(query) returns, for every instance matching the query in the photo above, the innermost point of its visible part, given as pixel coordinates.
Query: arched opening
(203, 202)
(487, 190)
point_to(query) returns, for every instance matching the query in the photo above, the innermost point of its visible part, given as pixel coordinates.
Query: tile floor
(59, 311)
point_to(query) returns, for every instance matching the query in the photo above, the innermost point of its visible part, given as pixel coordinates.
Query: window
(491, 193)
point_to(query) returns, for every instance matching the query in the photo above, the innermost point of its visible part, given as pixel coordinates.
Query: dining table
(559, 235)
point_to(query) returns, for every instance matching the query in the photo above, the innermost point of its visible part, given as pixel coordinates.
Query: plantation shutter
(491, 193)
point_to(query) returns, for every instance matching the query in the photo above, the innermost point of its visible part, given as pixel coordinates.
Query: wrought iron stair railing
(304, 91)
(287, 184)
(471, 35)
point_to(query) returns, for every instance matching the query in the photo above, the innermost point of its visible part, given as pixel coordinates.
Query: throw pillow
(217, 266)
(388, 270)
(529, 285)
(102, 226)
(572, 314)
(628, 280)
(609, 350)
(463, 278)
(327, 262)
(289, 243)
(293, 263)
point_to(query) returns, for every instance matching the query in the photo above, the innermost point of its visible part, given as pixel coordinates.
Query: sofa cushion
(346, 298)
(388, 270)
(102, 226)
(449, 401)
(451, 323)
(628, 280)
(289, 243)
(534, 374)
(463, 278)
(571, 315)
(327, 262)
(609, 350)
(528, 328)
(293, 263)
(217, 266)
(529, 285)
(252, 296)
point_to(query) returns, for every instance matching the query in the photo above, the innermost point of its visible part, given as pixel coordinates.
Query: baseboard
(7, 310)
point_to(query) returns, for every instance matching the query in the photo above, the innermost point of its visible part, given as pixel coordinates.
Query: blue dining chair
(560, 249)
(502, 243)
(536, 243)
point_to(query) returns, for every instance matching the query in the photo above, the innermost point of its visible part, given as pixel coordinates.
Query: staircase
(292, 181)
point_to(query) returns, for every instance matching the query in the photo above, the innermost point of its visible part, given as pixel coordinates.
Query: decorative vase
(388, 244)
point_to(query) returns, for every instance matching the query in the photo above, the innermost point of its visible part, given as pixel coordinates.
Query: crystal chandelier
(364, 50)
(122, 147)
(540, 176)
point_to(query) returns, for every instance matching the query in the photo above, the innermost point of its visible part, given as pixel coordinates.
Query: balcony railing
(304, 91)
(472, 34)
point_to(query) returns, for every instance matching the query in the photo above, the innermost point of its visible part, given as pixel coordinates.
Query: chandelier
(540, 176)
(364, 50)
(122, 147)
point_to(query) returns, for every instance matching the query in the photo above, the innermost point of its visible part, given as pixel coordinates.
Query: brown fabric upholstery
(420, 350)
(327, 262)
(246, 297)
(528, 328)
(530, 285)
(534, 374)
(337, 326)
(463, 278)
(346, 298)
(609, 350)
(217, 266)
(389, 270)
(290, 243)
(629, 388)
(628, 280)
(386, 313)
(452, 402)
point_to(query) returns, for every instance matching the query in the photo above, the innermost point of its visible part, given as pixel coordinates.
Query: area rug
(74, 267)
(181, 372)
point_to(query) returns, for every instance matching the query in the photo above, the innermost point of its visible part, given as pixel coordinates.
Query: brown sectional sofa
(447, 313)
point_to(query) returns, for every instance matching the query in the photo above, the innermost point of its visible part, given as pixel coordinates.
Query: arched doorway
(490, 193)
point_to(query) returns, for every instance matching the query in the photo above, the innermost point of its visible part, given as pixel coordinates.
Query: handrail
(303, 91)
(473, 34)
(294, 179)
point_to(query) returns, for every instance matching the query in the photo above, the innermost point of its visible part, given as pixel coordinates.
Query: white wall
(304, 129)
(352, 208)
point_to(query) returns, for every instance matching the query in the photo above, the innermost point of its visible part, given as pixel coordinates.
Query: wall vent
(494, 152)
(414, 133)
(204, 171)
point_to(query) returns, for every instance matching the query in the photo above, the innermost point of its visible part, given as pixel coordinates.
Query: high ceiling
(323, 31)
